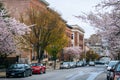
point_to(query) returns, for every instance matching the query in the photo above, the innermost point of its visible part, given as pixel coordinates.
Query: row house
(18, 7)
(76, 36)
(76, 39)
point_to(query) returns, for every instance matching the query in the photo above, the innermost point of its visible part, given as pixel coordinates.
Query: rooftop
(45, 2)
(78, 27)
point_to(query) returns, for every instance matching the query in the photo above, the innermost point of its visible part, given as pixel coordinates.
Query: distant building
(95, 43)
(77, 36)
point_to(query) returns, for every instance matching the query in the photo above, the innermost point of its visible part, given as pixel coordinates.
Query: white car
(91, 63)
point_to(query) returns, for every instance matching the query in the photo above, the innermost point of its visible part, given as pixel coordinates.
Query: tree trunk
(54, 64)
(40, 54)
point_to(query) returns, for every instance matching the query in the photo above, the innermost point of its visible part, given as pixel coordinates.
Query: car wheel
(41, 71)
(7, 76)
(44, 71)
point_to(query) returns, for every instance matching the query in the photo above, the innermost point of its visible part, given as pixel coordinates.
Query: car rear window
(17, 66)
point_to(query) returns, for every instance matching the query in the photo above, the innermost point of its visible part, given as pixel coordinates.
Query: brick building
(77, 36)
(69, 34)
(18, 7)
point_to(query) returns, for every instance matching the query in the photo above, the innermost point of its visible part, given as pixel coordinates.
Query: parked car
(111, 63)
(65, 65)
(91, 63)
(110, 68)
(80, 63)
(73, 64)
(38, 68)
(99, 63)
(19, 70)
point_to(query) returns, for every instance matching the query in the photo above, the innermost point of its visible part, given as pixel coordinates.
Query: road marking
(94, 75)
(73, 76)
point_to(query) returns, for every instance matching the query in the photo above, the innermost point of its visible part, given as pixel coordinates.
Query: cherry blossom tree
(9, 28)
(73, 52)
(107, 20)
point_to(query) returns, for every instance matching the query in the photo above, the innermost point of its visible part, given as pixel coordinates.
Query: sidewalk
(2, 73)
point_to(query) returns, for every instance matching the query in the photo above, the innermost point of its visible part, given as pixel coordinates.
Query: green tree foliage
(90, 56)
(55, 48)
(48, 27)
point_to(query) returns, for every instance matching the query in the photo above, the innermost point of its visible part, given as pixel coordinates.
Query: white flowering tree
(73, 52)
(9, 28)
(107, 20)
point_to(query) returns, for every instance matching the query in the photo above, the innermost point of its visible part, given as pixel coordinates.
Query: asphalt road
(82, 73)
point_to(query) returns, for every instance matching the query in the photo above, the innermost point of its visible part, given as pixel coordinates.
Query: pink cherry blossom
(9, 28)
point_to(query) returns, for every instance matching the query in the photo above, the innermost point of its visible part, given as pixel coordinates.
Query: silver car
(91, 63)
(65, 65)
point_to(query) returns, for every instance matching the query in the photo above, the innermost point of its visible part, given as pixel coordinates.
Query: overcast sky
(69, 8)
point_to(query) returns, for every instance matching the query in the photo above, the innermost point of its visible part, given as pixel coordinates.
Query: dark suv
(115, 72)
(17, 70)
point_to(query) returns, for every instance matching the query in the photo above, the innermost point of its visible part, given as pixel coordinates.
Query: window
(72, 36)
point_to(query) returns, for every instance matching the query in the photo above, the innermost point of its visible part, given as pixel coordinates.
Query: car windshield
(112, 63)
(36, 64)
(91, 62)
(65, 63)
(17, 66)
(80, 62)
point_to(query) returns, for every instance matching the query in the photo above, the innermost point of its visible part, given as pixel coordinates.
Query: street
(82, 73)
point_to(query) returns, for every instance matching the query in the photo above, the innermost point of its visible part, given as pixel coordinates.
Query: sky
(70, 8)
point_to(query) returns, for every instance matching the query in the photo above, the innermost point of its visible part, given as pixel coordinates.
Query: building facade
(16, 8)
(95, 44)
(69, 35)
(77, 36)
